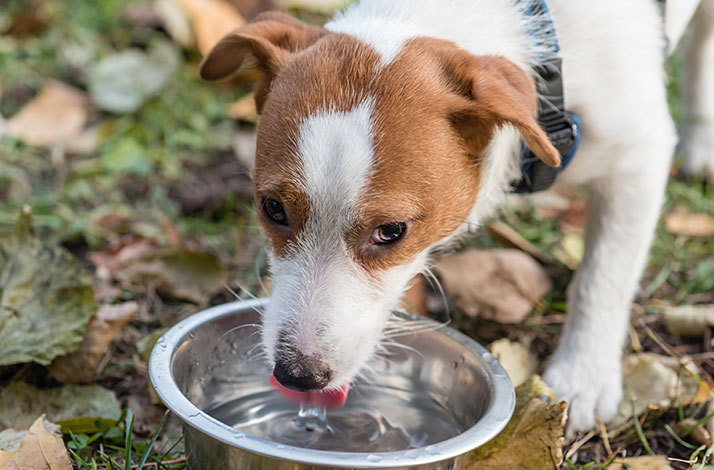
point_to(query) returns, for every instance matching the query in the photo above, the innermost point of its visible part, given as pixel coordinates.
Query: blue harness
(561, 126)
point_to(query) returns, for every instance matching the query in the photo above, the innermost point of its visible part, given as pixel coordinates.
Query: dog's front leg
(585, 369)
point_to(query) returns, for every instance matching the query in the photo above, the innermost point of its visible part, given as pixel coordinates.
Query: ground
(146, 193)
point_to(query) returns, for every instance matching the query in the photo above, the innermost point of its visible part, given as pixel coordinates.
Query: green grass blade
(153, 441)
(674, 435)
(640, 433)
(128, 430)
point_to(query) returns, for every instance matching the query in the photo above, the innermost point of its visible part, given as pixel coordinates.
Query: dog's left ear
(270, 38)
(488, 92)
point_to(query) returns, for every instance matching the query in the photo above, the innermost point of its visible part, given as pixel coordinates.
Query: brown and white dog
(399, 124)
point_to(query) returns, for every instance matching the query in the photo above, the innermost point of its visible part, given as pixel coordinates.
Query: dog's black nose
(301, 378)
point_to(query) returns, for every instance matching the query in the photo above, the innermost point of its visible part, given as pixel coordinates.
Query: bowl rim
(491, 423)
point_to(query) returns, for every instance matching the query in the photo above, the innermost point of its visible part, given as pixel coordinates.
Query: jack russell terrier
(401, 123)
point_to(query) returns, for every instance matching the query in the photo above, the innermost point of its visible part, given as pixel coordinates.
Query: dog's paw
(591, 389)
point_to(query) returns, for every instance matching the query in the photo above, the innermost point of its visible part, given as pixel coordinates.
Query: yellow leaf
(40, 450)
(518, 361)
(533, 438)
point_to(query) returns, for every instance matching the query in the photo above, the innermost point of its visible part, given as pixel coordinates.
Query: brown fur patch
(436, 108)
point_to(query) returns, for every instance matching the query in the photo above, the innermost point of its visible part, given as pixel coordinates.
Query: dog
(389, 131)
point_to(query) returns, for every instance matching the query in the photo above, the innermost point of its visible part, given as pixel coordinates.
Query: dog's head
(362, 166)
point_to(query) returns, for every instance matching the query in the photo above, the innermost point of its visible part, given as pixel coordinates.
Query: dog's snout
(302, 374)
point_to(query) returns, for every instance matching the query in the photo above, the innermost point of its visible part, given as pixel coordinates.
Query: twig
(603, 434)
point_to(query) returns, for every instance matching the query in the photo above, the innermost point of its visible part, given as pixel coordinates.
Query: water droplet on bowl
(192, 335)
(462, 359)
(431, 450)
(281, 447)
(411, 454)
(374, 458)
(198, 363)
(164, 345)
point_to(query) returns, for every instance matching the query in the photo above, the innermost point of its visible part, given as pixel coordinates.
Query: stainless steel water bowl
(211, 358)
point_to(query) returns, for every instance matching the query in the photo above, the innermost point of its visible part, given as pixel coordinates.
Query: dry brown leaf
(211, 19)
(691, 225)
(648, 462)
(40, 450)
(533, 438)
(518, 361)
(507, 237)
(689, 320)
(56, 115)
(700, 434)
(81, 366)
(244, 109)
(501, 285)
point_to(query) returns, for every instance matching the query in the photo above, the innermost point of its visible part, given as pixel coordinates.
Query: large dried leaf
(122, 82)
(691, 225)
(56, 115)
(689, 320)
(518, 361)
(211, 19)
(46, 298)
(42, 448)
(501, 285)
(22, 403)
(657, 382)
(182, 274)
(81, 365)
(533, 438)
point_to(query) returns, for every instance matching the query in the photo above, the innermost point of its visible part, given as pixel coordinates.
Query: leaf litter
(42, 448)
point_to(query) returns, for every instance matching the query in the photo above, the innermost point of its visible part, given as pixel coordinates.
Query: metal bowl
(210, 359)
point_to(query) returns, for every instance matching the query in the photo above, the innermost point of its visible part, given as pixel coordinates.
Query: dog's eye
(275, 212)
(388, 233)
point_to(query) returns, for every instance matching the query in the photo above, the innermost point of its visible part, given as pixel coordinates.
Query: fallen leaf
(182, 274)
(657, 383)
(81, 365)
(319, 6)
(700, 434)
(518, 361)
(647, 462)
(533, 438)
(211, 19)
(507, 237)
(10, 440)
(122, 82)
(690, 225)
(21, 403)
(175, 21)
(244, 109)
(42, 448)
(55, 115)
(47, 298)
(571, 250)
(501, 285)
(689, 320)
(86, 425)
(111, 260)
(146, 344)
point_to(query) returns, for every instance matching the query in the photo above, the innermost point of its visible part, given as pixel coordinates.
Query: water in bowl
(374, 419)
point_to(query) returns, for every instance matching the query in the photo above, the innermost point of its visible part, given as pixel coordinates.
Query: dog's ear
(270, 38)
(490, 91)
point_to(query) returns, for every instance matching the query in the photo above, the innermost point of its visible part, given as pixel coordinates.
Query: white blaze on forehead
(384, 36)
(336, 151)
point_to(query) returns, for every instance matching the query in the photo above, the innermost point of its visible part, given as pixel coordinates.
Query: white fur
(327, 305)
(614, 79)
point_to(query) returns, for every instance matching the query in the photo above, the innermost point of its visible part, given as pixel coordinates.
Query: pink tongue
(328, 399)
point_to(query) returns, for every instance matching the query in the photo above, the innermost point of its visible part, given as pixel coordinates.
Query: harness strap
(561, 126)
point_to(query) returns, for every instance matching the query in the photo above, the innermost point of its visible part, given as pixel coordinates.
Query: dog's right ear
(270, 38)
